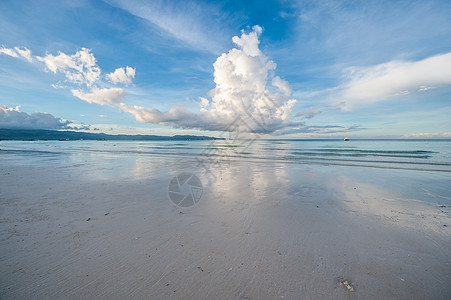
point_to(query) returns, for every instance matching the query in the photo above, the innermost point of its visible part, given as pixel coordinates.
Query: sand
(102, 226)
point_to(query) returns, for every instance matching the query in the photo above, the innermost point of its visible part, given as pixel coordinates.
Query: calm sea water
(425, 155)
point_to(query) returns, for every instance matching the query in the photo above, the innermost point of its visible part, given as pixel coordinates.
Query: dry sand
(103, 227)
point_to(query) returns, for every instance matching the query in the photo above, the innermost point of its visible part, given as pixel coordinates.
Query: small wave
(363, 154)
(229, 146)
(370, 161)
(369, 151)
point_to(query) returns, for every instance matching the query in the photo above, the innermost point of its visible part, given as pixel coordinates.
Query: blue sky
(291, 69)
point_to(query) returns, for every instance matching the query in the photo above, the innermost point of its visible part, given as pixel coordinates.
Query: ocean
(421, 155)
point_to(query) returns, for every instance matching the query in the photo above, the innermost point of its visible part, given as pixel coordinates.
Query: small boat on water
(346, 139)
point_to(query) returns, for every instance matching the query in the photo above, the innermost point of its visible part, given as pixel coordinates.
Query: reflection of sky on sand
(129, 168)
(402, 208)
(386, 197)
(249, 183)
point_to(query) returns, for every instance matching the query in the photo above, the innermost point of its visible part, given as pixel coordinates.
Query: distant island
(39, 134)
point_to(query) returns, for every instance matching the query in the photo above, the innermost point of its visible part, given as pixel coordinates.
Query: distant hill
(38, 134)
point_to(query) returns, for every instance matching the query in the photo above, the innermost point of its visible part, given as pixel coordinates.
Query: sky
(278, 69)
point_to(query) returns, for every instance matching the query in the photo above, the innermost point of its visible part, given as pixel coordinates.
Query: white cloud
(13, 118)
(204, 104)
(394, 79)
(9, 51)
(249, 42)
(245, 91)
(24, 52)
(80, 68)
(112, 96)
(122, 75)
(282, 85)
(17, 52)
(177, 116)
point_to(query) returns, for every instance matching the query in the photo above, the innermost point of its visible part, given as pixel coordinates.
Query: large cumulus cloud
(247, 95)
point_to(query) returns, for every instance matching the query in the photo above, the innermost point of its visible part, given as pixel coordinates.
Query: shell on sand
(348, 286)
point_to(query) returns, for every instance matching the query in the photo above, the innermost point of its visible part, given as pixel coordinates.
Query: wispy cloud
(368, 85)
(318, 130)
(373, 31)
(308, 113)
(199, 25)
(17, 52)
(425, 88)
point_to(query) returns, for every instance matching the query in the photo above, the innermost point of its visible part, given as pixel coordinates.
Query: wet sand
(103, 227)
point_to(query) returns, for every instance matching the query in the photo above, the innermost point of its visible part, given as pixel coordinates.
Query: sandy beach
(102, 226)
